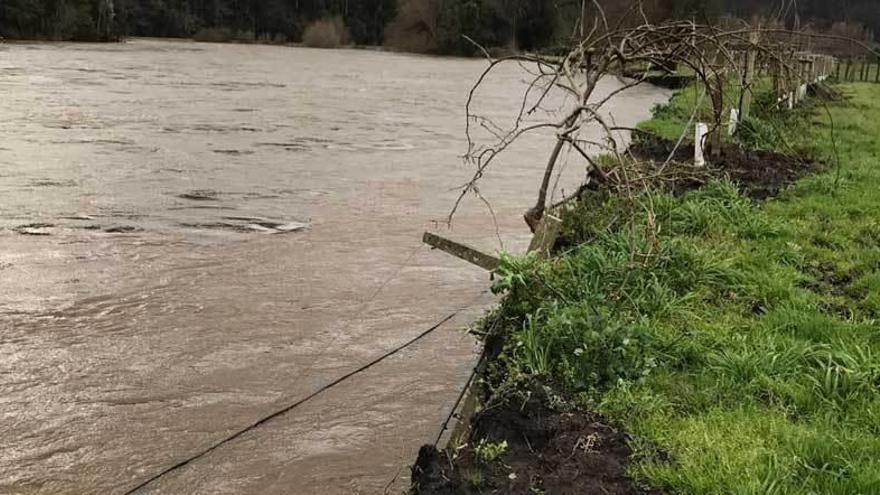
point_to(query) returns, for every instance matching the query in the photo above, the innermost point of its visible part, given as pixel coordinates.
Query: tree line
(417, 25)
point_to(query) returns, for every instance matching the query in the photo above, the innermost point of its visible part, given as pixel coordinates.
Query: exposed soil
(760, 174)
(829, 279)
(547, 452)
(661, 79)
(840, 296)
(824, 92)
(670, 81)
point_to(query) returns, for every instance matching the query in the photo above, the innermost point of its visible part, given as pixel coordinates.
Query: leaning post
(748, 76)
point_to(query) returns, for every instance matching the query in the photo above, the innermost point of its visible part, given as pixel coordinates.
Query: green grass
(860, 70)
(737, 343)
(770, 130)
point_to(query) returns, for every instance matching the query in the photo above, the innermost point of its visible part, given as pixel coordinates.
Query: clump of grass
(739, 340)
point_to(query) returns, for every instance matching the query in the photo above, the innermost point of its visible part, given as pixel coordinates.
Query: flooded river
(195, 235)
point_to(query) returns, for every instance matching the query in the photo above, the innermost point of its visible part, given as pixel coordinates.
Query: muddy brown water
(157, 291)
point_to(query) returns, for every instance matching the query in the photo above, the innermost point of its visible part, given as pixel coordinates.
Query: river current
(195, 235)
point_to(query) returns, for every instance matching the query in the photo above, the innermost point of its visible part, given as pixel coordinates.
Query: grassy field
(736, 342)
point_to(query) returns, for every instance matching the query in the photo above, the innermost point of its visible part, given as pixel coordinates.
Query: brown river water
(158, 288)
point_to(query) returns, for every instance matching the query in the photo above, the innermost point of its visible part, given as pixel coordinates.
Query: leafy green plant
(490, 452)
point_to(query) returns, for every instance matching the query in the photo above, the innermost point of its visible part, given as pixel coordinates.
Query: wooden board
(467, 253)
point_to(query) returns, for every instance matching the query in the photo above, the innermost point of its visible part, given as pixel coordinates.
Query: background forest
(432, 26)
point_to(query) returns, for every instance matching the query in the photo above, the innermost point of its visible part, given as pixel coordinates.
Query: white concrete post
(734, 122)
(701, 130)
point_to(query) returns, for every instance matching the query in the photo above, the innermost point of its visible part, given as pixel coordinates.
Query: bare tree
(634, 46)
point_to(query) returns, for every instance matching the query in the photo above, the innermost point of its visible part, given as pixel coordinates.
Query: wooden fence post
(804, 77)
(749, 74)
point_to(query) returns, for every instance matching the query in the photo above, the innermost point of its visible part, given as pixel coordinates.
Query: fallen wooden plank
(467, 253)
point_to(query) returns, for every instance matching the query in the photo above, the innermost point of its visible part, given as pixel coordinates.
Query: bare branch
(632, 47)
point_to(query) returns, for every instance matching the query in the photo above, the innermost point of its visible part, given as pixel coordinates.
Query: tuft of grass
(738, 343)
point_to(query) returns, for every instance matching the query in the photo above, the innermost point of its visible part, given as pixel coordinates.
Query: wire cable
(290, 407)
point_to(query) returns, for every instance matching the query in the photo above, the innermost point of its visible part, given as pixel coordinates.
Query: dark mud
(759, 174)
(841, 296)
(547, 452)
(825, 92)
(661, 79)
(670, 81)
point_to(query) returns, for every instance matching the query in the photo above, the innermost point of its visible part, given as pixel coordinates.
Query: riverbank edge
(459, 426)
(455, 437)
